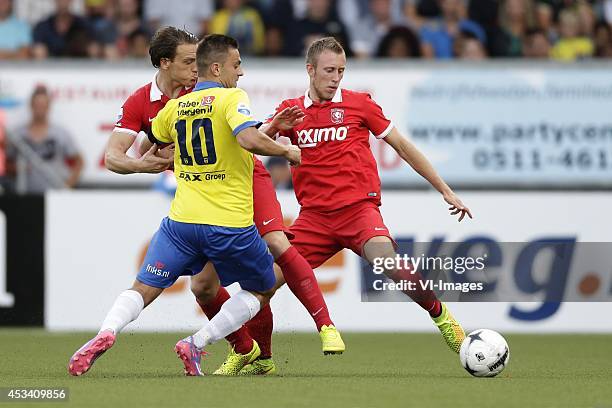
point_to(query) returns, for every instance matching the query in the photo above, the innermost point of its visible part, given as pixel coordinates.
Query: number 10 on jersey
(204, 124)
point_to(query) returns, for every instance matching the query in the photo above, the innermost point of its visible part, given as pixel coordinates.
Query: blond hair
(318, 46)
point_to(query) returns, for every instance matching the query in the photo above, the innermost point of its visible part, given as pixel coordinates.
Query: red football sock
(260, 327)
(425, 298)
(240, 340)
(302, 282)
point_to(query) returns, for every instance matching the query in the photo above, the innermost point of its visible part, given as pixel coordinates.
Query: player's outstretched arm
(117, 160)
(411, 155)
(283, 120)
(256, 142)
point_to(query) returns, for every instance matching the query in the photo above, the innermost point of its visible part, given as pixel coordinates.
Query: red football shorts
(267, 213)
(318, 236)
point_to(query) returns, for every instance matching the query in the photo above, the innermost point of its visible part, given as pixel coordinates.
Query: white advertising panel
(487, 124)
(95, 242)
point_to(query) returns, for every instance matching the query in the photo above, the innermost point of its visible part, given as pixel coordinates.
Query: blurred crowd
(441, 29)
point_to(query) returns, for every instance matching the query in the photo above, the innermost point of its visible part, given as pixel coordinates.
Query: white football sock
(126, 309)
(238, 310)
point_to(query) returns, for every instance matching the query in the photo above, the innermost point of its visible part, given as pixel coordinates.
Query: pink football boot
(82, 360)
(190, 356)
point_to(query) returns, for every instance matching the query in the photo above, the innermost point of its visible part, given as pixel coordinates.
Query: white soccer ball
(484, 353)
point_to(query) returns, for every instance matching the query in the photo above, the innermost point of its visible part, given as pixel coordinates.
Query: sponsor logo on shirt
(245, 110)
(337, 116)
(192, 108)
(311, 137)
(207, 100)
(217, 176)
(158, 269)
(266, 222)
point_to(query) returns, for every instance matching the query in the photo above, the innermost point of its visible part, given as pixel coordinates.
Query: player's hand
(456, 206)
(167, 152)
(287, 118)
(150, 162)
(293, 155)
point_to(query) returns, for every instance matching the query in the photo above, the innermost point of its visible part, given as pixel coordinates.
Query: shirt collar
(155, 94)
(336, 99)
(206, 85)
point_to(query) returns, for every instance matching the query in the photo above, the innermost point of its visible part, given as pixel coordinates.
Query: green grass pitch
(378, 370)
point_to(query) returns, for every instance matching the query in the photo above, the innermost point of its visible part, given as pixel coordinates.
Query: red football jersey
(140, 108)
(338, 168)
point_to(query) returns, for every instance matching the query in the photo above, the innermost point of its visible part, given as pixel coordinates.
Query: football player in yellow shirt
(211, 218)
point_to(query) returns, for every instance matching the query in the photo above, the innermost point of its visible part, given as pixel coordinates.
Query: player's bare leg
(126, 309)
(205, 285)
(452, 332)
(210, 295)
(300, 278)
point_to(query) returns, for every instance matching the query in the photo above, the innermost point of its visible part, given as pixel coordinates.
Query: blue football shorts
(238, 254)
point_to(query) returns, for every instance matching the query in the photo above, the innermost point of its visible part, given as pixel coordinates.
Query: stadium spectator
(280, 173)
(516, 17)
(536, 44)
(263, 6)
(192, 15)
(274, 42)
(63, 34)
(484, 12)
(33, 11)
(281, 15)
(468, 47)
(545, 21)
(129, 24)
(430, 9)
(114, 29)
(437, 36)
(587, 18)
(558, 5)
(572, 45)
(606, 11)
(49, 144)
(138, 44)
(15, 38)
(99, 16)
(372, 26)
(241, 22)
(351, 11)
(410, 11)
(603, 40)
(399, 42)
(320, 20)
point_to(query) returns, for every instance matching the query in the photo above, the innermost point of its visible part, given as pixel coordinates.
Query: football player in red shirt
(173, 52)
(337, 184)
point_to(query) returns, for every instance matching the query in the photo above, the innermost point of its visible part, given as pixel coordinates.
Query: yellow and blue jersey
(214, 173)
